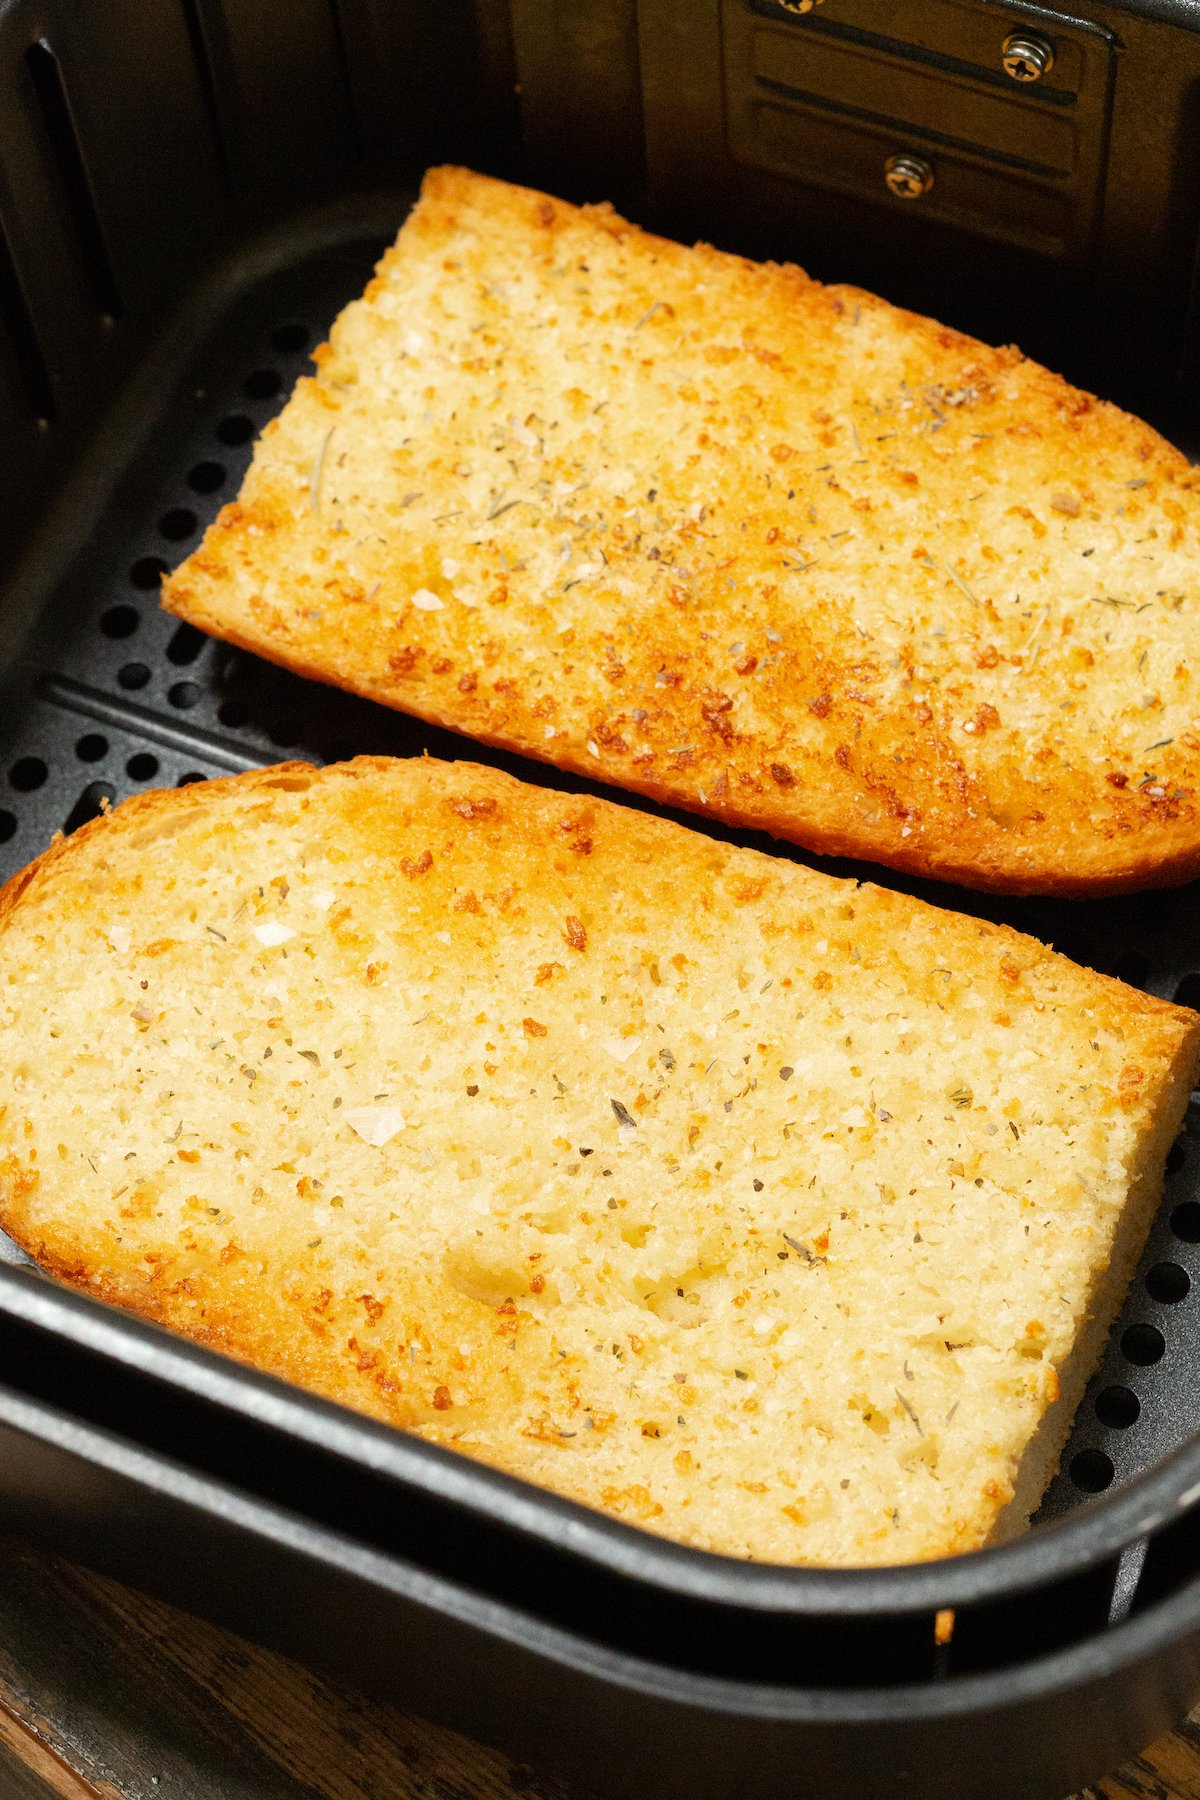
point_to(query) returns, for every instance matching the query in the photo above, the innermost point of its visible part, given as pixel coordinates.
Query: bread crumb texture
(754, 1207)
(704, 528)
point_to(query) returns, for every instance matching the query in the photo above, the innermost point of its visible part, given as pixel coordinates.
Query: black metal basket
(189, 190)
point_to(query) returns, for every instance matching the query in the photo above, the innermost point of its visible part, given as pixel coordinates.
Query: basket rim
(1087, 1536)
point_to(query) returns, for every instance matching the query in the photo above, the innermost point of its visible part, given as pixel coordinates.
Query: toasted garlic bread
(705, 529)
(777, 1214)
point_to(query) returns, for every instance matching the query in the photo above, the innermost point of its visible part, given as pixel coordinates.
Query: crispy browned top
(778, 552)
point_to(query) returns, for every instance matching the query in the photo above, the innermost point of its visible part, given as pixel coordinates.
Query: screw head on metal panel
(1025, 57)
(908, 176)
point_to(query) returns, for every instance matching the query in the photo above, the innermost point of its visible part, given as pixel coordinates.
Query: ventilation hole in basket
(8, 825)
(264, 384)
(1176, 1157)
(1168, 1283)
(16, 321)
(27, 774)
(177, 523)
(142, 766)
(120, 621)
(235, 428)
(133, 675)
(89, 805)
(1132, 967)
(147, 572)
(185, 645)
(185, 695)
(1118, 1408)
(191, 778)
(1092, 1471)
(285, 733)
(46, 78)
(91, 747)
(290, 338)
(1188, 991)
(207, 58)
(234, 713)
(1143, 1345)
(60, 132)
(206, 477)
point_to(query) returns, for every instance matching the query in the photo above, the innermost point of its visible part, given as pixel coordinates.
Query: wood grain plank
(1169, 1770)
(146, 1703)
(30, 1771)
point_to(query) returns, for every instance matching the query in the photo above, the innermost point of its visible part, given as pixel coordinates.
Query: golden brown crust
(765, 1217)
(775, 552)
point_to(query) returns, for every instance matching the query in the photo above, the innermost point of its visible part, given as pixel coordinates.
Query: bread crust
(869, 1159)
(775, 552)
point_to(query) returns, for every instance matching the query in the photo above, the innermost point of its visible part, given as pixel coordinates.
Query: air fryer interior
(109, 696)
(136, 370)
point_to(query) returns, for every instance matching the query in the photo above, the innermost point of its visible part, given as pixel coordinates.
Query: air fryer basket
(188, 194)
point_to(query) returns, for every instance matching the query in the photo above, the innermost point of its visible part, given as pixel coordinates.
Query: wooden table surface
(108, 1695)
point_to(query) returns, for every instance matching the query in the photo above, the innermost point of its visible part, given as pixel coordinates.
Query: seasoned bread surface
(758, 1208)
(773, 551)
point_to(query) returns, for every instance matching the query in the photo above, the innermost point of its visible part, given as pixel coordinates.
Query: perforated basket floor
(109, 696)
